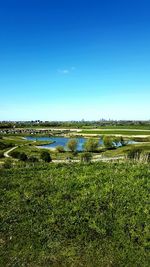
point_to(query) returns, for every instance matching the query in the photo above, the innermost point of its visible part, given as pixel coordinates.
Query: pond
(62, 141)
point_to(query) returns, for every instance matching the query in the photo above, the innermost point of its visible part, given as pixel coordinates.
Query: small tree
(45, 156)
(108, 142)
(72, 145)
(86, 157)
(91, 145)
(122, 141)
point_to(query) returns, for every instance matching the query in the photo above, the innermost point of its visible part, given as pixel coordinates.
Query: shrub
(15, 154)
(19, 155)
(144, 157)
(134, 153)
(86, 157)
(33, 159)
(23, 156)
(91, 145)
(108, 142)
(72, 145)
(45, 156)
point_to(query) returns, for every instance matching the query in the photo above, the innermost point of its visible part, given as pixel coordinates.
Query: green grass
(121, 151)
(114, 127)
(113, 132)
(75, 215)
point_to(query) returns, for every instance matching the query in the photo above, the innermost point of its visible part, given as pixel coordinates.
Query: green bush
(72, 145)
(15, 154)
(33, 159)
(86, 157)
(134, 153)
(108, 142)
(91, 145)
(19, 155)
(45, 156)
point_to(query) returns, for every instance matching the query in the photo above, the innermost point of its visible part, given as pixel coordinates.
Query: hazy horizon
(73, 60)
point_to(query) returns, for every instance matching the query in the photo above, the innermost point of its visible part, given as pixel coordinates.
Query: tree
(45, 156)
(72, 145)
(91, 145)
(108, 142)
(86, 157)
(122, 141)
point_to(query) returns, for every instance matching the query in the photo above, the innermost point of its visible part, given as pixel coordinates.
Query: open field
(127, 132)
(122, 151)
(69, 213)
(75, 215)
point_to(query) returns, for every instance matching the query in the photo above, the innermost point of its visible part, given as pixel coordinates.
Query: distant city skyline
(73, 60)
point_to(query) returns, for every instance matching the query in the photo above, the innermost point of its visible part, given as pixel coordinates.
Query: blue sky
(74, 59)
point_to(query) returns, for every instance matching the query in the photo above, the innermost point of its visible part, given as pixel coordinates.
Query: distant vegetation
(78, 124)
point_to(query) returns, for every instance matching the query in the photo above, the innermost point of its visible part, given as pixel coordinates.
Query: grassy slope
(125, 149)
(76, 215)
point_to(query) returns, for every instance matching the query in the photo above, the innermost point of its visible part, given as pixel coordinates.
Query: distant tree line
(76, 124)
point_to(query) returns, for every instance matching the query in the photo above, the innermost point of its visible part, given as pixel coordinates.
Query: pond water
(62, 141)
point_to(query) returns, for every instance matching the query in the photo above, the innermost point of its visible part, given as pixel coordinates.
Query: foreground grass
(76, 215)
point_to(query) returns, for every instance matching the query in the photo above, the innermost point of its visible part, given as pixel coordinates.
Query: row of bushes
(92, 145)
(45, 156)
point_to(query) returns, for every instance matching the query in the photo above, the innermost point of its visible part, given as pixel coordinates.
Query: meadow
(75, 215)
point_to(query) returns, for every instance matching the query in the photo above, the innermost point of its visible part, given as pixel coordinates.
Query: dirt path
(104, 159)
(100, 158)
(6, 154)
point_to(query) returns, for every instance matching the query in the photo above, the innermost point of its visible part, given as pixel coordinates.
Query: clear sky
(74, 59)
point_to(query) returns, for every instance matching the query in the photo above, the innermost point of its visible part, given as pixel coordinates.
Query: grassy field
(114, 132)
(75, 215)
(115, 127)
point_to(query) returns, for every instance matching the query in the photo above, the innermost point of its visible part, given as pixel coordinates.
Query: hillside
(75, 215)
